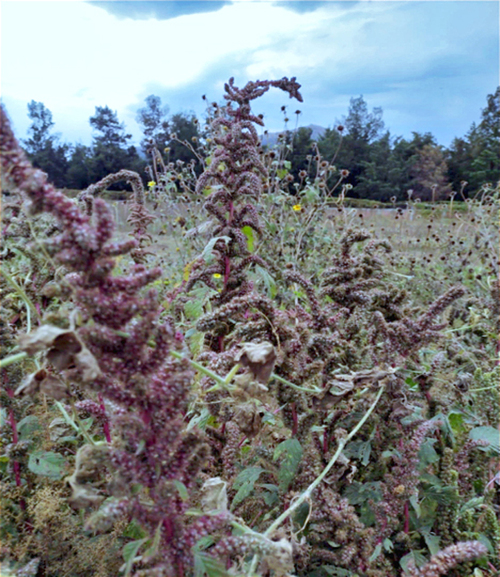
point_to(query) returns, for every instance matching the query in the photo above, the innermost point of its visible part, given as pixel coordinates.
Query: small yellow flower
(151, 183)
(177, 249)
(297, 207)
(217, 275)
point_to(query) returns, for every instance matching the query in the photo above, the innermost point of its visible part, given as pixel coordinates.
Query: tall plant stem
(21, 293)
(306, 495)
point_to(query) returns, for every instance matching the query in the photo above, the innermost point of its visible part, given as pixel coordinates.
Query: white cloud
(73, 56)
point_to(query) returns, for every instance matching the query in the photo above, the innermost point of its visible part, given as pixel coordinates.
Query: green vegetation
(240, 371)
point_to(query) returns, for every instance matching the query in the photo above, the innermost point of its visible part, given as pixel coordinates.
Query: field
(231, 380)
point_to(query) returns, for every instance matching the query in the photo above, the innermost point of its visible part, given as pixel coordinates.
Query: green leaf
(182, 489)
(134, 531)
(270, 496)
(488, 434)
(486, 542)
(360, 450)
(337, 571)
(129, 553)
(27, 426)
(310, 193)
(47, 464)
(281, 173)
(376, 553)
(358, 493)
(193, 309)
(206, 565)
(427, 454)
(268, 280)
(248, 232)
(412, 384)
(432, 541)
(244, 483)
(456, 421)
(153, 549)
(414, 556)
(207, 251)
(474, 503)
(388, 545)
(292, 452)
(200, 420)
(416, 505)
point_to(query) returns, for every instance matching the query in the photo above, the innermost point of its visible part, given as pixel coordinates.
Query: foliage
(42, 147)
(264, 387)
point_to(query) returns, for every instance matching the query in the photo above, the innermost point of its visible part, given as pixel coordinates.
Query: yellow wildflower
(297, 207)
(217, 275)
(151, 183)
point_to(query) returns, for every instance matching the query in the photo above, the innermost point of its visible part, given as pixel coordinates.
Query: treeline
(380, 166)
(77, 166)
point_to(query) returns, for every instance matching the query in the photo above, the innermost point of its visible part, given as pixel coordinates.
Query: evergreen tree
(474, 158)
(40, 130)
(43, 147)
(152, 119)
(301, 146)
(361, 129)
(485, 145)
(185, 128)
(79, 171)
(383, 177)
(110, 152)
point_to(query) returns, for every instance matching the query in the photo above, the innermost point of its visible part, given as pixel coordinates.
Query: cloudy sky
(429, 64)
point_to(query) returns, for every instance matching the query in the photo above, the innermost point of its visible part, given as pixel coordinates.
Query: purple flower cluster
(151, 449)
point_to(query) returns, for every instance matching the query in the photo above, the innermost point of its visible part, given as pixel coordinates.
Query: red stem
(105, 425)
(325, 442)
(295, 419)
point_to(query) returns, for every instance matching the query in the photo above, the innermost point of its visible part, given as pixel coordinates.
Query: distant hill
(272, 138)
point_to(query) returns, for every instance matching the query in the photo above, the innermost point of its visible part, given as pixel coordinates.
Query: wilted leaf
(259, 358)
(214, 495)
(280, 557)
(40, 339)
